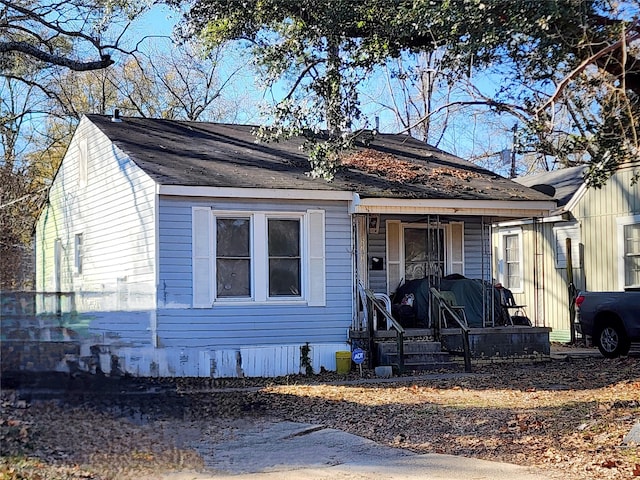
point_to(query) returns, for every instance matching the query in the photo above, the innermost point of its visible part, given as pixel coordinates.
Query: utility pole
(513, 152)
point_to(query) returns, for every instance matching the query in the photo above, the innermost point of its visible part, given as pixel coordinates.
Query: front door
(424, 254)
(419, 250)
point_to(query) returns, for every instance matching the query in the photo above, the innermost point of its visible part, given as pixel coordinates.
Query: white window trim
(502, 259)
(399, 264)
(260, 258)
(621, 223)
(448, 234)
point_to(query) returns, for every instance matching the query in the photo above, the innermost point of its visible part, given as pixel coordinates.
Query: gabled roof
(565, 182)
(181, 153)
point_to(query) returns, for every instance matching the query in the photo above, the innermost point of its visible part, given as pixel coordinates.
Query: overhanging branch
(593, 59)
(76, 65)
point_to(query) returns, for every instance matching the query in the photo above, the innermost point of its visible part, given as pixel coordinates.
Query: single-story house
(602, 226)
(190, 249)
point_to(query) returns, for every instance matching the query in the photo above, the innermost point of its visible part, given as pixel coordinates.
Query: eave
(258, 193)
(394, 206)
(490, 208)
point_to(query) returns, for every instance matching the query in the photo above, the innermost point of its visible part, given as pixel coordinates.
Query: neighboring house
(603, 225)
(189, 249)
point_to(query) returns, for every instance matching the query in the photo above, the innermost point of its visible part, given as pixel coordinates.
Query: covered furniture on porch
(478, 302)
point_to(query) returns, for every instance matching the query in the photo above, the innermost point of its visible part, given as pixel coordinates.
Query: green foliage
(557, 75)
(321, 49)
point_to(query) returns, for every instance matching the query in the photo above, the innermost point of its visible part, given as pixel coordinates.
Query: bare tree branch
(627, 39)
(78, 66)
(513, 109)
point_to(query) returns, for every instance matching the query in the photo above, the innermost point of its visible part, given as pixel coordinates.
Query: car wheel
(613, 340)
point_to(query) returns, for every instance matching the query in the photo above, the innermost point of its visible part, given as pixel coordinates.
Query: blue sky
(467, 136)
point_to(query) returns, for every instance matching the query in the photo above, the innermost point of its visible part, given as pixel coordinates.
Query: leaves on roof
(394, 169)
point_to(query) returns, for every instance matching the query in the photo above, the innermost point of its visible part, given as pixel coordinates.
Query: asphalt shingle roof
(565, 182)
(223, 155)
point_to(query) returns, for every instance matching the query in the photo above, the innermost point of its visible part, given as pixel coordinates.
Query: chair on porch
(448, 297)
(517, 314)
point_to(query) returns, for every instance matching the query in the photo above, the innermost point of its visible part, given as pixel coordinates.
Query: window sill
(246, 303)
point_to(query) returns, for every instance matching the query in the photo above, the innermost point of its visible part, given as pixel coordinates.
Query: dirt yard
(569, 417)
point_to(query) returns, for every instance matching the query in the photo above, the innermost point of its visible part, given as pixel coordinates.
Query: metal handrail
(463, 326)
(379, 305)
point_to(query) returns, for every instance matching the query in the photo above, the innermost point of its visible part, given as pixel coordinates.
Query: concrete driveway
(261, 449)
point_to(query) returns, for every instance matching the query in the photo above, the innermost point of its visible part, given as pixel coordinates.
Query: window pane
(284, 277)
(632, 271)
(284, 257)
(232, 237)
(632, 255)
(415, 244)
(233, 258)
(512, 248)
(632, 239)
(513, 275)
(233, 278)
(284, 238)
(513, 278)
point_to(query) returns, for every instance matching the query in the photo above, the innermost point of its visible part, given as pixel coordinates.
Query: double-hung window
(283, 239)
(233, 257)
(258, 257)
(629, 248)
(511, 259)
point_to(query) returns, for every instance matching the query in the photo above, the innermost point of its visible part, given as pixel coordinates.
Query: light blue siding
(247, 324)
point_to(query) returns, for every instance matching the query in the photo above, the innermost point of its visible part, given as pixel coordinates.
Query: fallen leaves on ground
(568, 417)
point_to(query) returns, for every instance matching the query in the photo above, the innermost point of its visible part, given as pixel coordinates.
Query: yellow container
(343, 362)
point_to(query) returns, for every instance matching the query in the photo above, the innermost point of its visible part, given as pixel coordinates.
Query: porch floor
(487, 344)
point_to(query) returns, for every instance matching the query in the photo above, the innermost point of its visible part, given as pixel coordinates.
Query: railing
(373, 306)
(444, 306)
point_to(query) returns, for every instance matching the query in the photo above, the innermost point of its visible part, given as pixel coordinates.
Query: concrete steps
(418, 355)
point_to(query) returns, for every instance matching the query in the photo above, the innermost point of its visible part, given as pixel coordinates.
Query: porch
(428, 296)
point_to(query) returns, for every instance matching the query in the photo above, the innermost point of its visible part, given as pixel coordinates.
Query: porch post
(362, 250)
